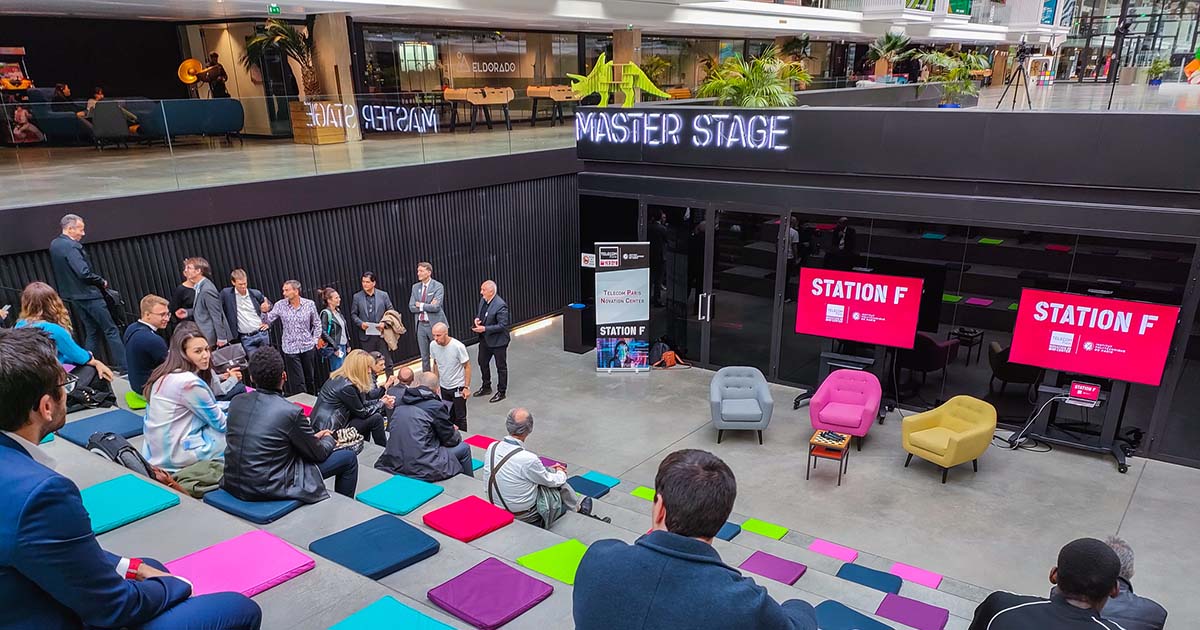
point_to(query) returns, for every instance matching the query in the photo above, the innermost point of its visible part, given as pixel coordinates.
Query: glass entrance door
(676, 238)
(740, 304)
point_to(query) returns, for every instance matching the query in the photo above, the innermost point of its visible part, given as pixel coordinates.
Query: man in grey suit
(425, 302)
(208, 312)
(367, 309)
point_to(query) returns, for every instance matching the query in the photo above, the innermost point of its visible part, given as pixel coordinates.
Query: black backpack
(116, 448)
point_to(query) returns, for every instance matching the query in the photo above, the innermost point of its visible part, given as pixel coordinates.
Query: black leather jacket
(339, 401)
(331, 330)
(271, 452)
(419, 435)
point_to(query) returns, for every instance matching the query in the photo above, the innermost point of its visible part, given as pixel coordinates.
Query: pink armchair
(847, 402)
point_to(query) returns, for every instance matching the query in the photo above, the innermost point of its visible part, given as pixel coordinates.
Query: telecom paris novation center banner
(622, 306)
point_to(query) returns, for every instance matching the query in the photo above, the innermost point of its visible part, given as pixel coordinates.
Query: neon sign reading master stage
(757, 132)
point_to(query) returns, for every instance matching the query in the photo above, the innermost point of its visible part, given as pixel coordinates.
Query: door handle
(708, 309)
(700, 307)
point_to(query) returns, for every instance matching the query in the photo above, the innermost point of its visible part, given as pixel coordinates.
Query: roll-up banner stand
(622, 307)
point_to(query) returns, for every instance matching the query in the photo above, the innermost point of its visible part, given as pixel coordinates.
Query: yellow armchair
(955, 433)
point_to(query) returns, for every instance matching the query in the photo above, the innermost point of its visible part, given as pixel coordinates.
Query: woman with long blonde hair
(347, 399)
(42, 308)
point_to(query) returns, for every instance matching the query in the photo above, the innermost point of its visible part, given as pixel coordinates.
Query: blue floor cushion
(261, 512)
(729, 530)
(870, 578)
(601, 478)
(124, 423)
(386, 612)
(377, 548)
(834, 615)
(476, 464)
(123, 500)
(587, 487)
(400, 494)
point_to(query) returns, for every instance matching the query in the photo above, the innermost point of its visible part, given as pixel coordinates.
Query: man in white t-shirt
(452, 365)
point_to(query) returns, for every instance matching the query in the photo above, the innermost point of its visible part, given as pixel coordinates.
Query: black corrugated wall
(523, 235)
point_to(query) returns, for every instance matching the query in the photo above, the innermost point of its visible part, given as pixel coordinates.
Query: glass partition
(120, 146)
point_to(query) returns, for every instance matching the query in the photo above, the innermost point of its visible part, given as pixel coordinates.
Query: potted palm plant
(297, 45)
(764, 81)
(1157, 69)
(956, 74)
(887, 50)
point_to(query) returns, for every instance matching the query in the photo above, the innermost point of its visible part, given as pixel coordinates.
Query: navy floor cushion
(119, 421)
(261, 512)
(729, 530)
(587, 487)
(871, 578)
(377, 548)
(833, 615)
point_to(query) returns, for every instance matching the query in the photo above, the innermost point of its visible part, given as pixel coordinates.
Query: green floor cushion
(763, 528)
(559, 561)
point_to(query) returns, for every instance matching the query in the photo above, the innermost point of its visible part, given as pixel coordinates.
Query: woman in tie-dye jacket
(184, 423)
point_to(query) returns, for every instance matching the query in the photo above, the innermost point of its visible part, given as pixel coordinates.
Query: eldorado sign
(866, 307)
(1104, 337)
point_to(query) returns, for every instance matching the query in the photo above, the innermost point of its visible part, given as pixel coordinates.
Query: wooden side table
(828, 445)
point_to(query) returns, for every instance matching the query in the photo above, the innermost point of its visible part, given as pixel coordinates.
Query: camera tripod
(1021, 73)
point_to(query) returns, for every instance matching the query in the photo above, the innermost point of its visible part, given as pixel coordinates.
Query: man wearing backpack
(53, 573)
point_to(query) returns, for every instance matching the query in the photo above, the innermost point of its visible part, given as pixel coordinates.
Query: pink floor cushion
(774, 567)
(481, 441)
(826, 548)
(489, 594)
(305, 408)
(917, 575)
(248, 564)
(911, 612)
(468, 518)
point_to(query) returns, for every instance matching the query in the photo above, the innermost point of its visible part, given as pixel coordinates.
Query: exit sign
(273, 9)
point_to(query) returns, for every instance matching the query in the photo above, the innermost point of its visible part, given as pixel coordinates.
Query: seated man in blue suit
(53, 573)
(672, 578)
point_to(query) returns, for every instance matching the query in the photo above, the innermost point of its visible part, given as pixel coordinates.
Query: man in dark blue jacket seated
(53, 573)
(672, 578)
(145, 349)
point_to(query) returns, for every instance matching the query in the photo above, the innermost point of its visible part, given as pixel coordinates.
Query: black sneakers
(585, 508)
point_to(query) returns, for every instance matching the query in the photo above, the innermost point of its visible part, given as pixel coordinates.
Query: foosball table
(557, 95)
(479, 99)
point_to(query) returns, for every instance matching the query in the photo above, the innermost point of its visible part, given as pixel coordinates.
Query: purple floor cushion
(911, 612)
(489, 594)
(774, 567)
(248, 564)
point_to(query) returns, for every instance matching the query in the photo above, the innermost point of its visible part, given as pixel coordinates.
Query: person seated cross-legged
(519, 482)
(423, 442)
(273, 452)
(53, 572)
(672, 578)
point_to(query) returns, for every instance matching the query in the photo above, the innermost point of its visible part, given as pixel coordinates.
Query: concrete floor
(1000, 528)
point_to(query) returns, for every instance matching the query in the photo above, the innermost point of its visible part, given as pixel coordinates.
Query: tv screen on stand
(1104, 337)
(855, 306)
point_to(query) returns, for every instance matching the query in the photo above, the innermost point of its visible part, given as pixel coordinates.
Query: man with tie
(368, 308)
(492, 326)
(425, 302)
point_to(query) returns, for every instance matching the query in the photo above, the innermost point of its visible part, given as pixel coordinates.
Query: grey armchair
(740, 400)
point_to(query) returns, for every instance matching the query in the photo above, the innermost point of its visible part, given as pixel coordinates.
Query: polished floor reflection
(39, 175)
(1069, 96)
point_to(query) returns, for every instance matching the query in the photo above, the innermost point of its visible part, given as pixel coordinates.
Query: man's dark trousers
(485, 369)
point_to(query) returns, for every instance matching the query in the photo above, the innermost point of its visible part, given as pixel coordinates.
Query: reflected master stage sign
(1104, 337)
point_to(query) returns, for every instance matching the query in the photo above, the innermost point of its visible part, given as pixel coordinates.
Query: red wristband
(131, 572)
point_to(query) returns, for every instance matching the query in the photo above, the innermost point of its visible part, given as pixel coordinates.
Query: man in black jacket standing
(81, 286)
(243, 308)
(366, 311)
(492, 325)
(272, 451)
